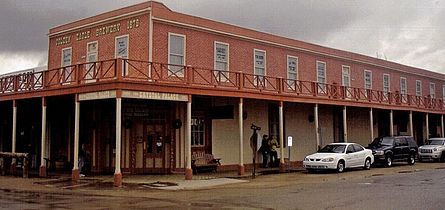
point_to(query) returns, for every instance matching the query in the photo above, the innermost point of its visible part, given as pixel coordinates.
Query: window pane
(122, 47)
(259, 59)
(221, 52)
(221, 66)
(176, 45)
(66, 57)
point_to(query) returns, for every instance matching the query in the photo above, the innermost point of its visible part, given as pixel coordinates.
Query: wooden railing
(151, 72)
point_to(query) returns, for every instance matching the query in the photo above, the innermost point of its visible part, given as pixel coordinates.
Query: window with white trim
(403, 87)
(432, 90)
(66, 61)
(443, 93)
(121, 48)
(292, 71)
(221, 61)
(259, 67)
(368, 79)
(176, 55)
(90, 69)
(321, 76)
(418, 88)
(386, 83)
(346, 76)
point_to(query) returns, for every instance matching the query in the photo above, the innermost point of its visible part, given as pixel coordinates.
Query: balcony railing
(121, 70)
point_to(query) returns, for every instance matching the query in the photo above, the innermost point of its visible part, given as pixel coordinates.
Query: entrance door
(154, 147)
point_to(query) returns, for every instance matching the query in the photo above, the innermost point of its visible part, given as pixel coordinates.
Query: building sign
(154, 96)
(83, 35)
(133, 23)
(97, 95)
(63, 40)
(108, 29)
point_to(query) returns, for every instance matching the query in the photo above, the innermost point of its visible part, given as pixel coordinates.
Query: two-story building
(142, 88)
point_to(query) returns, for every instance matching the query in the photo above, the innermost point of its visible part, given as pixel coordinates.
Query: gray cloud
(408, 31)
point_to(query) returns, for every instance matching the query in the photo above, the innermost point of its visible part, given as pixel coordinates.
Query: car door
(350, 156)
(400, 148)
(360, 155)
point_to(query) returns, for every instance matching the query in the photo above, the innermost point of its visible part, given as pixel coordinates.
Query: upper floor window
(91, 57)
(121, 47)
(66, 61)
(221, 61)
(418, 88)
(345, 76)
(432, 90)
(386, 83)
(368, 79)
(443, 92)
(259, 67)
(176, 55)
(292, 70)
(403, 87)
(321, 76)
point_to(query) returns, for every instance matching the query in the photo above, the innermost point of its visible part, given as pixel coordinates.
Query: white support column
(391, 123)
(76, 173)
(42, 172)
(371, 124)
(441, 126)
(317, 130)
(411, 128)
(188, 141)
(241, 169)
(345, 125)
(427, 126)
(281, 133)
(14, 125)
(118, 151)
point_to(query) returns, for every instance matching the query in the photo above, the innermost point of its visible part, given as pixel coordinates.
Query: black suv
(397, 148)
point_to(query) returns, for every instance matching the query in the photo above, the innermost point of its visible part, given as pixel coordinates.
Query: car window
(333, 148)
(400, 142)
(350, 149)
(435, 142)
(357, 148)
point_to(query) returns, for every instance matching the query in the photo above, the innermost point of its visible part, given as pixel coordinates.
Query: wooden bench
(204, 162)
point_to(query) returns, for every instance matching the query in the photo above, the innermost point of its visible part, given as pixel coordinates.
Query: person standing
(264, 149)
(273, 144)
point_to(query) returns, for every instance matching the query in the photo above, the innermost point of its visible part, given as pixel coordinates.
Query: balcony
(127, 71)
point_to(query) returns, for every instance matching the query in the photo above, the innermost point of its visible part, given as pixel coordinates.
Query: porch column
(427, 126)
(188, 141)
(42, 171)
(75, 175)
(14, 125)
(441, 126)
(411, 131)
(14, 134)
(281, 133)
(117, 170)
(317, 129)
(371, 124)
(391, 123)
(241, 169)
(345, 125)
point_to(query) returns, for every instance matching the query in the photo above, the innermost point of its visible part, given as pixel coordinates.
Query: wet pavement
(400, 187)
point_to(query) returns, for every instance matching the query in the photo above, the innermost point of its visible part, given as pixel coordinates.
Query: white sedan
(339, 156)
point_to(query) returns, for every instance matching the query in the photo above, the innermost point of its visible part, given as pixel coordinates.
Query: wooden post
(75, 174)
(117, 170)
(411, 123)
(241, 169)
(371, 124)
(317, 129)
(345, 125)
(42, 171)
(281, 133)
(391, 123)
(188, 143)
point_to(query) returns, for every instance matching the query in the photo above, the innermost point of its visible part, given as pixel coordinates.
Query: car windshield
(333, 148)
(435, 142)
(386, 141)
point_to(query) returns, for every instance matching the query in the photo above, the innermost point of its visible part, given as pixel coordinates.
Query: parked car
(339, 156)
(388, 149)
(434, 149)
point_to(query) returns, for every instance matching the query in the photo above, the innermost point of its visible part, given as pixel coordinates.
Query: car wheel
(411, 160)
(367, 165)
(388, 161)
(340, 166)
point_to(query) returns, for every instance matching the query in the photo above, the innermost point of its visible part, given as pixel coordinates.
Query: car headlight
(327, 159)
(379, 152)
(435, 149)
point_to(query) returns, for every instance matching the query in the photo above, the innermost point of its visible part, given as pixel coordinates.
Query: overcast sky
(411, 32)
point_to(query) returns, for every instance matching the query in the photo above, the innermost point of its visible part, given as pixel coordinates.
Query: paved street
(401, 187)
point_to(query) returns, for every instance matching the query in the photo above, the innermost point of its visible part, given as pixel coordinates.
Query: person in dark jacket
(265, 151)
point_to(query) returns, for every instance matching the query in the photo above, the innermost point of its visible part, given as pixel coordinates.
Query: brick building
(142, 88)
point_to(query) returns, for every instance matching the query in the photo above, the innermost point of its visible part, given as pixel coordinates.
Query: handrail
(188, 76)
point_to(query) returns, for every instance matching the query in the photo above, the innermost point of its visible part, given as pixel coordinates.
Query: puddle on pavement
(377, 174)
(442, 167)
(405, 172)
(159, 184)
